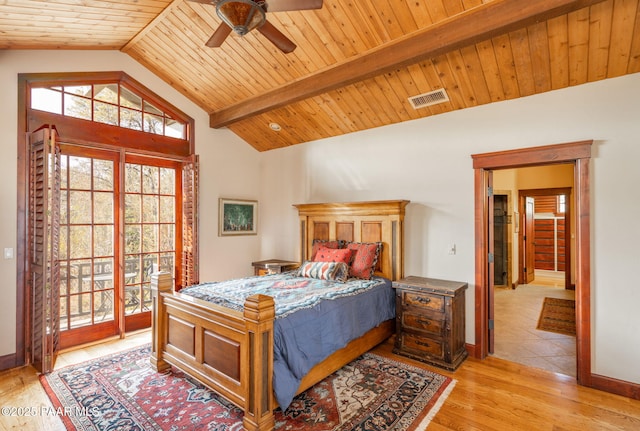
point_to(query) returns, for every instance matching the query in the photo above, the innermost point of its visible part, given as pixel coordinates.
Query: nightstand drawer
(422, 322)
(423, 300)
(422, 345)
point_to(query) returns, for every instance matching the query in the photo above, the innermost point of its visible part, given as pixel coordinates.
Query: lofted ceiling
(357, 61)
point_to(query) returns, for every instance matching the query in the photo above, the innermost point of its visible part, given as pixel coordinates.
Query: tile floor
(516, 337)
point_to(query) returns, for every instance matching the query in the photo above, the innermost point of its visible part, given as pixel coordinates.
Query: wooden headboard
(375, 221)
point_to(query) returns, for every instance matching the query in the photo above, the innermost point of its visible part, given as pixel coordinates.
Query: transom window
(111, 103)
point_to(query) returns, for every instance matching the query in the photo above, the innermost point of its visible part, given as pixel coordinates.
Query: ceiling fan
(242, 16)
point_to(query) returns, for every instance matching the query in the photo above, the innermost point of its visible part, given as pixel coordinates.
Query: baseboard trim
(615, 386)
(472, 351)
(8, 361)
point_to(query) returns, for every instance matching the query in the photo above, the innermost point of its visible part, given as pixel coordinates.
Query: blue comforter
(314, 318)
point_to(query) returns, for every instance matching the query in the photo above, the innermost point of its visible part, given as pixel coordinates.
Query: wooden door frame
(566, 191)
(578, 154)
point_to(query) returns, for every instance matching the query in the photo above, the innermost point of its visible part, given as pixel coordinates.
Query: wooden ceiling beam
(474, 25)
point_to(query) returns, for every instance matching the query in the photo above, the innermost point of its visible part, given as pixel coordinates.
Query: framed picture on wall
(237, 217)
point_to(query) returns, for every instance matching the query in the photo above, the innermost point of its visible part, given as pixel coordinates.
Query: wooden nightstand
(430, 320)
(273, 266)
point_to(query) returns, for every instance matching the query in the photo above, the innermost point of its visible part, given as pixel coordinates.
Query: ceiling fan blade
(219, 36)
(287, 5)
(276, 37)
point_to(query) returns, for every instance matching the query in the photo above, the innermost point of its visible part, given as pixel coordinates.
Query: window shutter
(189, 270)
(43, 231)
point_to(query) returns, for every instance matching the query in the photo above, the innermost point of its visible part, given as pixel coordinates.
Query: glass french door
(149, 232)
(89, 192)
(117, 226)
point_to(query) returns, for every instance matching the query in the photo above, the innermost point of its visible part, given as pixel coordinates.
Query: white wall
(222, 156)
(428, 161)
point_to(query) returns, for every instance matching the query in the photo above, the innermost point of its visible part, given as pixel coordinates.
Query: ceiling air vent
(428, 99)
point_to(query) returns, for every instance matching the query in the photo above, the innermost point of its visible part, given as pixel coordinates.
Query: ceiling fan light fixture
(241, 15)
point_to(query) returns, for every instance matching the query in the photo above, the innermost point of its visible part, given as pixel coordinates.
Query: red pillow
(325, 254)
(318, 243)
(365, 258)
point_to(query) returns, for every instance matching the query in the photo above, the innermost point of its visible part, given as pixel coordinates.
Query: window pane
(132, 269)
(106, 93)
(149, 238)
(130, 99)
(80, 276)
(105, 113)
(149, 261)
(103, 240)
(150, 180)
(167, 209)
(167, 181)
(80, 207)
(77, 107)
(132, 178)
(79, 173)
(167, 263)
(150, 209)
(174, 129)
(166, 237)
(103, 306)
(80, 238)
(153, 124)
(130, 119)
(103, 207)
(132, 239)
(64, 163)
(63, 207)
(62, 248)
(80, 309)
(79, 90)
(148, 107)
(132, 208)
(102, 174)
(46, 99)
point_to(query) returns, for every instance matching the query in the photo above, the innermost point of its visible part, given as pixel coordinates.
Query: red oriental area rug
(123, 392)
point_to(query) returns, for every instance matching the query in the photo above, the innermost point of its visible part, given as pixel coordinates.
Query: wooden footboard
(228, 351)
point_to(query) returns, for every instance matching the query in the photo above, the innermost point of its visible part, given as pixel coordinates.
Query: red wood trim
(481, 246)
(614, 386)
(583, 271)
(578, 153)
(549, 154)
(9, 361)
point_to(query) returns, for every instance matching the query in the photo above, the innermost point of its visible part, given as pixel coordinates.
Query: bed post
(161, 282)
(259, 313)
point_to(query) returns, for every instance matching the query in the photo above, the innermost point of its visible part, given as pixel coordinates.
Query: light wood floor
(492, 394)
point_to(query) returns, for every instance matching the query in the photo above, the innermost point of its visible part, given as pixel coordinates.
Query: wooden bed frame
(231, 352)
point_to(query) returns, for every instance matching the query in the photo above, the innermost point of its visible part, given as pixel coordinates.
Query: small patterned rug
(558, 315)
(122, 392)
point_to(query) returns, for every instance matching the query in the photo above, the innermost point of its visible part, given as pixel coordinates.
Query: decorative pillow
(364, 259)
(317, 243)
(335, 271)
(325, 254)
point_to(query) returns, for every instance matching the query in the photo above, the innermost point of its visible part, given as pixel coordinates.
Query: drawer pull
(423, 300)
(422, 343)
(424, 322)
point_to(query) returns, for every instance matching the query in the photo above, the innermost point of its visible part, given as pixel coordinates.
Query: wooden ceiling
(357, 61)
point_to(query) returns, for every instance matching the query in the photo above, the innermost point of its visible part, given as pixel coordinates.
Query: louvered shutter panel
(189, 270)
(43, 231)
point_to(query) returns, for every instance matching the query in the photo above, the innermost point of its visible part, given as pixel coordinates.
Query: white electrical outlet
(8, 253)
